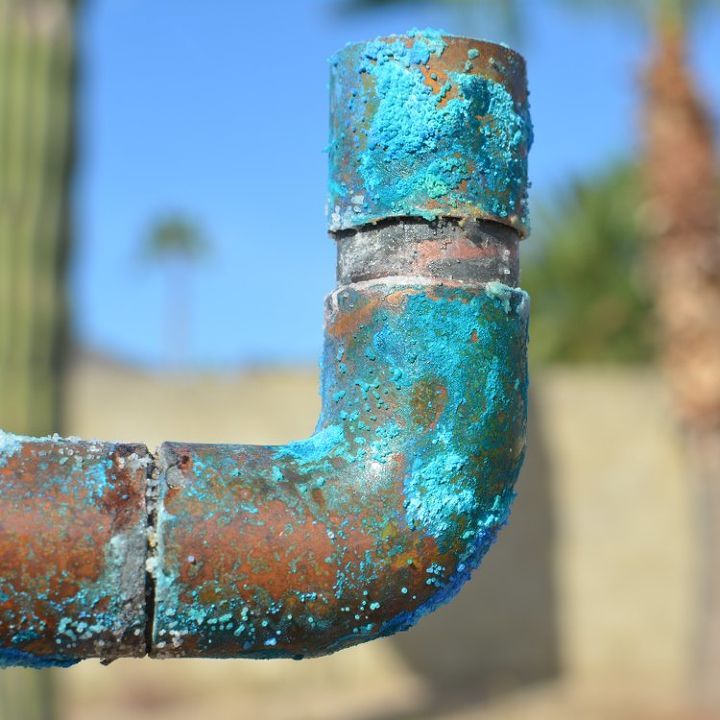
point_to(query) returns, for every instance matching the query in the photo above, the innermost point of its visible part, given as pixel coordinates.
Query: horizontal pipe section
(72, 550)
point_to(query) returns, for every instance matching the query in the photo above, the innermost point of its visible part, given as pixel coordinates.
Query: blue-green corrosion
(17, 658)
(428, 125)
(380, 516)
(72, 550)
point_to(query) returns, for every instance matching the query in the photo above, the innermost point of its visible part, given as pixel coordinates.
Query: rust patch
(429, 399)
(72, 551)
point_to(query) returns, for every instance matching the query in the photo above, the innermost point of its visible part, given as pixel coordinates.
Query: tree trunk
(36, 112)
(682, 185)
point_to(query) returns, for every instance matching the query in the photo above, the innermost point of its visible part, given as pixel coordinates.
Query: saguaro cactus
(36, 110)
(36, 106)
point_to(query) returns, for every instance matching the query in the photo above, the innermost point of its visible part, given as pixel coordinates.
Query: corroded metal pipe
(380, 516)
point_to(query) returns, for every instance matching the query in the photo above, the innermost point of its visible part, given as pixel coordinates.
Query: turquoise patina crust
(428, 125)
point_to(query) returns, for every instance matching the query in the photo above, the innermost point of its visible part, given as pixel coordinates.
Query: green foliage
(674, 12)
(510, 11)
(584, 268)
(506, 12)
(175, 237)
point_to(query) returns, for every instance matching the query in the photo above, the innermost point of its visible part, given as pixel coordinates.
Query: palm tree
(175, 242)
(683, 225)
(681, 181)
(586, 274)
(507, 12)
(37, 91)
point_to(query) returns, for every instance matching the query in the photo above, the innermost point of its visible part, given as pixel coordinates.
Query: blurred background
(162, 185)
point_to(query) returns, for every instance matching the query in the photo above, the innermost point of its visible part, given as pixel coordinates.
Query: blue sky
(219, 109)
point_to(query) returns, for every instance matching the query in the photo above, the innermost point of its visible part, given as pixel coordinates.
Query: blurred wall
(625, 555)
(588, 589)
